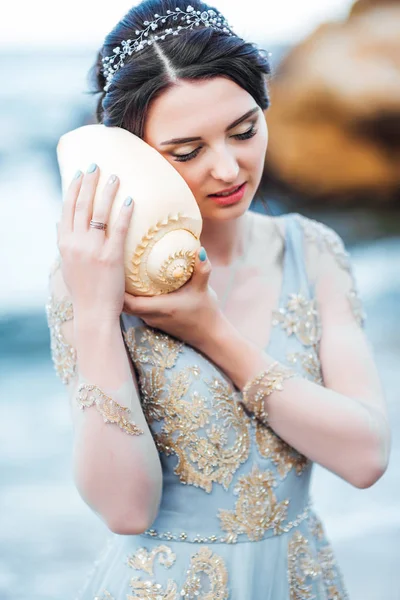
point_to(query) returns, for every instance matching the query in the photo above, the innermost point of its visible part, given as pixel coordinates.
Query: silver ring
(98, 225)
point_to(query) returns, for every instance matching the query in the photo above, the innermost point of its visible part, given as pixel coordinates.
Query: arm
(344, 425)
(118, 475)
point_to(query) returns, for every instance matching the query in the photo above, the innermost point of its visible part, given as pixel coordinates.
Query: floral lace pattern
(205, 456)
(300, 318)
(329, 241)
(284, 457)
(303, 568)
(206, 576)
(332, 581)
(257, 508)
(63, 355)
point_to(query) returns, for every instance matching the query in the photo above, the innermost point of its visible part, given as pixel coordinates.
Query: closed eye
(239, 136)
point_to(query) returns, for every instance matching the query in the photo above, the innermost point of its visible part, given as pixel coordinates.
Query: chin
(224, 213)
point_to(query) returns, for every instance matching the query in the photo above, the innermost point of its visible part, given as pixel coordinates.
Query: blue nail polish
(128, 201)
(202, 254)
(92, 168)
(78, 174)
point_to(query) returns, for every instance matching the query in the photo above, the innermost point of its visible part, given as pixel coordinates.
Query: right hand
(92, 262)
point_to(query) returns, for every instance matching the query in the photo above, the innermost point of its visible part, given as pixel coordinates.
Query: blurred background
(334, 155)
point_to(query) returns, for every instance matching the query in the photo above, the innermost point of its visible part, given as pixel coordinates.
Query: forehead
(195, 108)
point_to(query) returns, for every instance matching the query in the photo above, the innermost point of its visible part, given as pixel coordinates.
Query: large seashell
(164, 232)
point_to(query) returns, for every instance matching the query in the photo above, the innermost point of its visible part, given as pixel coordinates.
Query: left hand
(189, 313)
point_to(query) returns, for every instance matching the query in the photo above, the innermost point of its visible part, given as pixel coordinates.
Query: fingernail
(128, 201)
(92, 168)
(202, 254)
(78, 174)
(112, 179)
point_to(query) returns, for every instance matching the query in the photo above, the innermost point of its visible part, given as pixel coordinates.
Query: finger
(202, 269)
(119, 231)
(102, 210)
(84, 203)
(140, 305)
(68, 208)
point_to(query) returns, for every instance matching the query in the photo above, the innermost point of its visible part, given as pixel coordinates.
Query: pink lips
(233, 198)
(231, 189)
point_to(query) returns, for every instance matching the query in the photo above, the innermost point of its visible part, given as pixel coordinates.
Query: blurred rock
(335, 116)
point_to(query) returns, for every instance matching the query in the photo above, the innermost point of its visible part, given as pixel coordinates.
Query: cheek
(191, 174)
(254, 155)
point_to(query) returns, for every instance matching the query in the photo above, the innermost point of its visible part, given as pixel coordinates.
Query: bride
(198, 414)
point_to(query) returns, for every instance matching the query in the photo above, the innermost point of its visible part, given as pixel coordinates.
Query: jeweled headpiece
(189, 19)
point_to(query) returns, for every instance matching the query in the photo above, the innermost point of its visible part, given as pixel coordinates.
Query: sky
(85, 23)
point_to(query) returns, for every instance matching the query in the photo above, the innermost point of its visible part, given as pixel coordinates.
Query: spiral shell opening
(165, 258)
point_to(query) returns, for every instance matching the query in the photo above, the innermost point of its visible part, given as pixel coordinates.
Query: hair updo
(198, 53)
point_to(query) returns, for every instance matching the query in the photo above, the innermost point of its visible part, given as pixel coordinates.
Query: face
(215, 135)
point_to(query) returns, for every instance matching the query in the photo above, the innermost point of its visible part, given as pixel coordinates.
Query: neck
(224, 240)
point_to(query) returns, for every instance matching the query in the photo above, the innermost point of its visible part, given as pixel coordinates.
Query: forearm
(343, 434)
(118, 475)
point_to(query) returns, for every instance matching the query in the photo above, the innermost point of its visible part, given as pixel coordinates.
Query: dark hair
(198, 53)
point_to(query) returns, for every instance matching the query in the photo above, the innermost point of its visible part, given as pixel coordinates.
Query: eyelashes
(239, 136)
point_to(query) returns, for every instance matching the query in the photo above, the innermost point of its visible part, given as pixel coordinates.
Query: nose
(225, 166)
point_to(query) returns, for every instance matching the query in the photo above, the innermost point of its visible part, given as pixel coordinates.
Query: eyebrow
(231, 126)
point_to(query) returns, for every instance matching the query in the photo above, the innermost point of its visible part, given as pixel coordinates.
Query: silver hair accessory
(189, 19)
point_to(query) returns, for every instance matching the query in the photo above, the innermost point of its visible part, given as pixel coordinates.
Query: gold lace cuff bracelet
(261, 386)
(111, 411)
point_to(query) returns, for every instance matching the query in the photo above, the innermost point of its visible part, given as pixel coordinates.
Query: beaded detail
(203, 564)
(329, 241)
(302, 568)
(284, 456)
(204, 454)
(155, 30)
(90, 395)
(63, 354)
(230, 539)
(263, 385)
(300, 317)
(331, 577)
(257, 508)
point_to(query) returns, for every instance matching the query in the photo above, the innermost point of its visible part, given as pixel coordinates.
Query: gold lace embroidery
(104, 596)
(257, 508)
(330, 573)
(302, 568)
(316, 527)
(326, 559)
(90, 395)
(300, 317)
(143, 560)
(310, 364)
(204, 562)
(330, 241)
(198, 538)
(162, 350)
(263, 385)
(284, 457)
(211, 565)
(202, 460)
(63, 355)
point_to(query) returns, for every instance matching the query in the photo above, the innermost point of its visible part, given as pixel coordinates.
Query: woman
(238, 381)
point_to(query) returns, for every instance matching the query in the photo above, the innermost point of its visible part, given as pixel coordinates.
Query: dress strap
(296, 279)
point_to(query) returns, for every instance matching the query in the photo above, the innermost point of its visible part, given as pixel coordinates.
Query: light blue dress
(235, 519)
